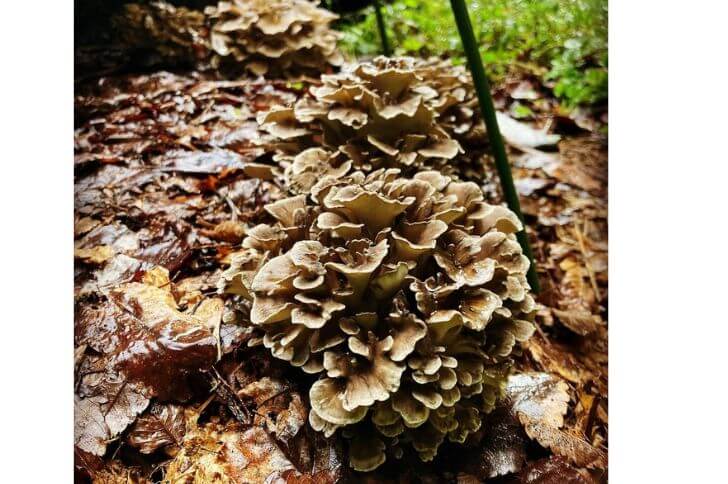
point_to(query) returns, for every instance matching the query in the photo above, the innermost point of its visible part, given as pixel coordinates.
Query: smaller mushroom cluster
(172, 32)
(406, 296)
(264, 37)
(388, 113)
(286, 35)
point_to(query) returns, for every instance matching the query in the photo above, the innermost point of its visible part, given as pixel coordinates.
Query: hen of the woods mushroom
(388, 113)
(406, 296)
(263, 36)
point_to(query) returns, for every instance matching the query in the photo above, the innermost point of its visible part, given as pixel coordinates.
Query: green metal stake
(382, 30)
(482, 87)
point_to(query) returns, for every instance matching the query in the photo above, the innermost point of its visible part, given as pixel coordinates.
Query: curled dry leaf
(554, 358)
(540, 397)
(116, 472)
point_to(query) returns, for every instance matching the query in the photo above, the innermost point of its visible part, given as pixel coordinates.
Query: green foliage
(565, 41)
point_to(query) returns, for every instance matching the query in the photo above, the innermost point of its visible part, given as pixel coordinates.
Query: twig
(591, 417)
(582, 248)
(236, 407)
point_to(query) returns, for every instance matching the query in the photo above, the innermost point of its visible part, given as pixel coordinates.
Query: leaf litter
(166, 387)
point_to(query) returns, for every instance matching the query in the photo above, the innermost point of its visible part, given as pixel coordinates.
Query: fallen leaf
(142, 333)
(272, 396)
(210, 162)
(96, 255)
(227, 453)
(503, 448)
(227, 231)
(579, 321)
(540, 401)
(553, 358)
(84, 225)
(161, 426)
(111, 407)
(541, 397)
(565, 444)
(552, 470)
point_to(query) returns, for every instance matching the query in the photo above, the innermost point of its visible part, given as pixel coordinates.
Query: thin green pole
(482, 87)
(382, 30)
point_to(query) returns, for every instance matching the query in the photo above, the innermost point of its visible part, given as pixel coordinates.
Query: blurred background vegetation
(563, 42)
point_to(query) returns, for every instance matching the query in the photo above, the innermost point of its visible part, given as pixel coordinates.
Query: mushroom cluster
(388, 113)
(406, 296)
(172, 32)
(283, 35)
(264, 37)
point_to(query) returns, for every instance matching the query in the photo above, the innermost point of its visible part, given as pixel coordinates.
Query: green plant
(564, 41)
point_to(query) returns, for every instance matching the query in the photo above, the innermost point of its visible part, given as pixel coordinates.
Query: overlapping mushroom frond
(388, 113)
(265, 37)
(405, 295)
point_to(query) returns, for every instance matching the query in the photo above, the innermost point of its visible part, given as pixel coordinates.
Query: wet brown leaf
(503, 448)
(554, 358)
(565, 444)
(227, 231)
(274, 397)
(142, 333)
(105, 413)
(161, 426)
(540, 401)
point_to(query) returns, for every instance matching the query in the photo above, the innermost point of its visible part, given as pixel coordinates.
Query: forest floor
(160, 174)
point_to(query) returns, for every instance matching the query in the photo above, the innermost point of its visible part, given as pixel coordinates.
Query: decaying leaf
(96, 255)
(580, 322)
(141, 333)
(540, 401)
(102, 415)
(227, 453)
(553, 470)
(162, 426)
(502, 450)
